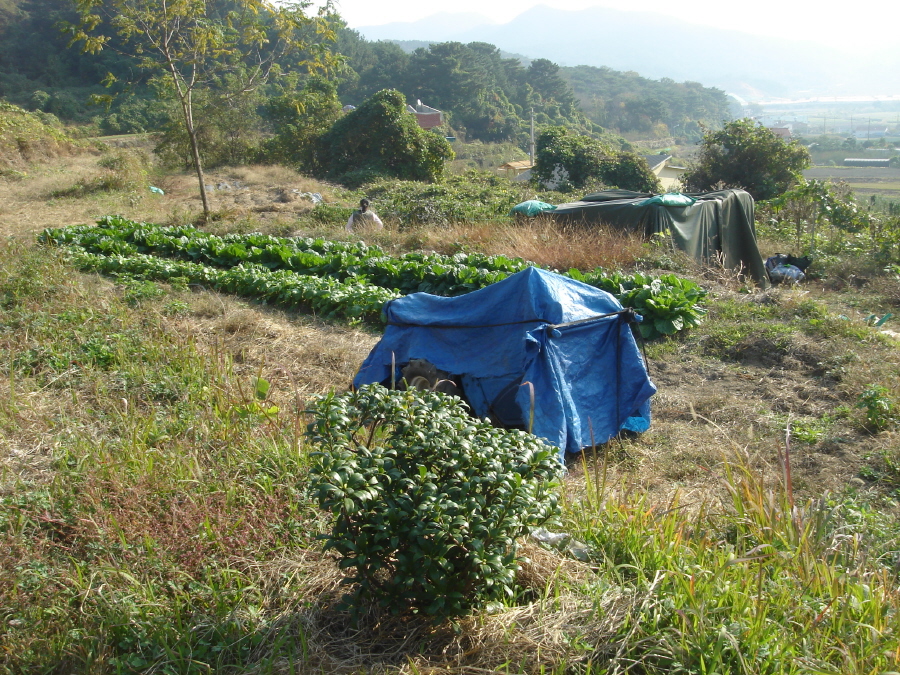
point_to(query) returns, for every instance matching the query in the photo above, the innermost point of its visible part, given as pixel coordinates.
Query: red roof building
(427, 117)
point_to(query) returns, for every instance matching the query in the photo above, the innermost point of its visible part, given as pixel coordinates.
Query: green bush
(880, 408)
(331, 214)
(298, 119)
(427, 502)
(380, 138)
(745, 154)
(575, 162)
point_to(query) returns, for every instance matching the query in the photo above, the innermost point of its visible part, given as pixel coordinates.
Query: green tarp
(717, 223)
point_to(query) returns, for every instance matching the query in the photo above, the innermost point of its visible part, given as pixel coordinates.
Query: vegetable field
(334, 278)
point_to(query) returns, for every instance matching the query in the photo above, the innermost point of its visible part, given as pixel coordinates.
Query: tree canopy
(629, 103)
(299, 119)
(486, 94)
(488, 97)
(744, 154)
(232, 46)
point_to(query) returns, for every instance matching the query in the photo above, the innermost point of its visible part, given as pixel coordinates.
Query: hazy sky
(862, 24)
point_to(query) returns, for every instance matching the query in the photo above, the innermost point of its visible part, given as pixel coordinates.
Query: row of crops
(339, 279)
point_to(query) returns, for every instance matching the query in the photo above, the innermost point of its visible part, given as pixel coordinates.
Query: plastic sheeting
(531, 208)
(571, 341)
(716, 223)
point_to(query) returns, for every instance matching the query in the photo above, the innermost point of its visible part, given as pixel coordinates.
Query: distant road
(894, 98)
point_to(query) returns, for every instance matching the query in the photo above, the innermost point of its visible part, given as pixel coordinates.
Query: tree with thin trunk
(190, 45)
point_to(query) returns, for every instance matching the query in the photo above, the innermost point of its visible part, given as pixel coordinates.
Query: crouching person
(363, 217)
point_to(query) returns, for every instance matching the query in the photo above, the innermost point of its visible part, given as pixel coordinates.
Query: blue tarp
(571, 341)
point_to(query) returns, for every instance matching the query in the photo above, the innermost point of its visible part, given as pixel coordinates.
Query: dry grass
(300, 356)
(887, 288)
(269, 199)
(77, 189)
(565, 246)
(538, 634)
(263, 174)
(539, 240)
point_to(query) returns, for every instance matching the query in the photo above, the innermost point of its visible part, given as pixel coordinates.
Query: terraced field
(864, 180)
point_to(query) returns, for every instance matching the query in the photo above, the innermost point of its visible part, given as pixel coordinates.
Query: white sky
(864, 24)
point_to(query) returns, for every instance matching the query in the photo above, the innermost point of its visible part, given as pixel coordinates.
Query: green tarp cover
(716, 223)
(532, 207)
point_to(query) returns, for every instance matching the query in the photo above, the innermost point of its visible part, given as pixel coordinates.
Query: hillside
(487, 93)
(156, 510)
(628, 103)
(27, 137)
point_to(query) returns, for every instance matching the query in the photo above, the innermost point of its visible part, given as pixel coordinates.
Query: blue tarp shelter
(573, 342)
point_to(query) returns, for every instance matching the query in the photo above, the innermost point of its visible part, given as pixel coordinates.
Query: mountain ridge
(658, 46)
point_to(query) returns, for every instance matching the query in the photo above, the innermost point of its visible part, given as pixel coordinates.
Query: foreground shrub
(427, 502)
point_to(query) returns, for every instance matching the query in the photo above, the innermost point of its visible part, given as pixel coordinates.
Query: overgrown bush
(298, 119)
(568, 161)
(383, 139)
(427, 502)
(825, 219)
(24, 136)
(744, 154)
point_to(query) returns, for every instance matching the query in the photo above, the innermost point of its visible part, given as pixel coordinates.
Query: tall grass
(168, 482)
(754, 584)
(539, 240)
(121, 171)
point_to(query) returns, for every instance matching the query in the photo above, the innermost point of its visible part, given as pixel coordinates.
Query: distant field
(863, 180)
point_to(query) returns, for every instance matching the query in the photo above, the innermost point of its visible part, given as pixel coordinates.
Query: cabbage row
(352, 298)
(409, 273)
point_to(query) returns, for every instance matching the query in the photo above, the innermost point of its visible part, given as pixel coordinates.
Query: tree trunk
(195, 151)
(187, 109)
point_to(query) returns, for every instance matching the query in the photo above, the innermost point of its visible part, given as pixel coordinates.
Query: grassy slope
(26, 137)
(153, 509)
